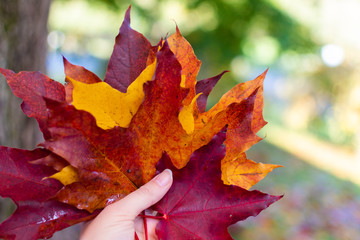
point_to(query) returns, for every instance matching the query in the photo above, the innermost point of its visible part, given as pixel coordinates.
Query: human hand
(120, 220)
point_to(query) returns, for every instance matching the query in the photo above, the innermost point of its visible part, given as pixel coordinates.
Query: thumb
(146, 196)
(117, 219)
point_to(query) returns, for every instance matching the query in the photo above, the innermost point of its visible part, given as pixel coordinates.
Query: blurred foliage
(234, 28)
(242, 36)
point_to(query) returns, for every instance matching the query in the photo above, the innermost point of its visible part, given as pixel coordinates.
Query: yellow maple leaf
(109, 106)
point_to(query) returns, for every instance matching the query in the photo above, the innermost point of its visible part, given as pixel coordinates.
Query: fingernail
(164, 178)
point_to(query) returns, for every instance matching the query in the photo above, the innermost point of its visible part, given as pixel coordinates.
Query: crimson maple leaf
(37, 215)
(198, 204)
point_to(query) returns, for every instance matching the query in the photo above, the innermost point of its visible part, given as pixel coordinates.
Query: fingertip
(147, 195)
(165, 178)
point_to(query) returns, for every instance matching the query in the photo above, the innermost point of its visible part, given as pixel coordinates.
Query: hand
(120, 220)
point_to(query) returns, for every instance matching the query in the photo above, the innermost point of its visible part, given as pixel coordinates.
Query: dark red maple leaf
(126, 63)
(36, 216)
(199, 205)
(205, 86)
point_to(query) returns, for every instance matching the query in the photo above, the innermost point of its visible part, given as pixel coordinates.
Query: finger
(146, 196)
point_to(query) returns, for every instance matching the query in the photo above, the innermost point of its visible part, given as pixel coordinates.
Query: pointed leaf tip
(177, 29)
(205, 86)
(79, 73)
(127, 15)
(264, 73)
(129, 57)
(64, 59)
(7, 73)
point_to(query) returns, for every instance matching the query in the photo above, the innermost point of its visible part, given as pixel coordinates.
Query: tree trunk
(23, 33)
(23, 47)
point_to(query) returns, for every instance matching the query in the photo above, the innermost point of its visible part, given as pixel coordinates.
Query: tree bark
(23, 34)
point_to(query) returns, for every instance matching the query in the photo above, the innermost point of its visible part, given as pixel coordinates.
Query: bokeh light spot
(332, 55)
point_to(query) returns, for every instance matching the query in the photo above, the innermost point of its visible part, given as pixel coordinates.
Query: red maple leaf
(198, 204)
(37, 215)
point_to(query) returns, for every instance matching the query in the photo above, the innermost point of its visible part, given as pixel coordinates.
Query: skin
(120, 220)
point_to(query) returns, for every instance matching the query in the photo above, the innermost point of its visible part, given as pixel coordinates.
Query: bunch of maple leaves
(105, 139)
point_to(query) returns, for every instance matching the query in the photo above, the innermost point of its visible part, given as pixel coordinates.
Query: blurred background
(312, 90)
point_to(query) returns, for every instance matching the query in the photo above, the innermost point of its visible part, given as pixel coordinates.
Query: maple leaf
(129, 57)
(204, 87)
(198, 204)
(79, 73)
(126, 156)
(36, 216)
(33, 87)
(189, 62)
(103, 139)
(109, 106)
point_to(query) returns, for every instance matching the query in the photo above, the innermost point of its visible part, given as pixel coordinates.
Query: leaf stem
(145, 226)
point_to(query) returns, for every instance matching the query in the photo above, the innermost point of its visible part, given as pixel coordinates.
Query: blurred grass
(316, 205)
